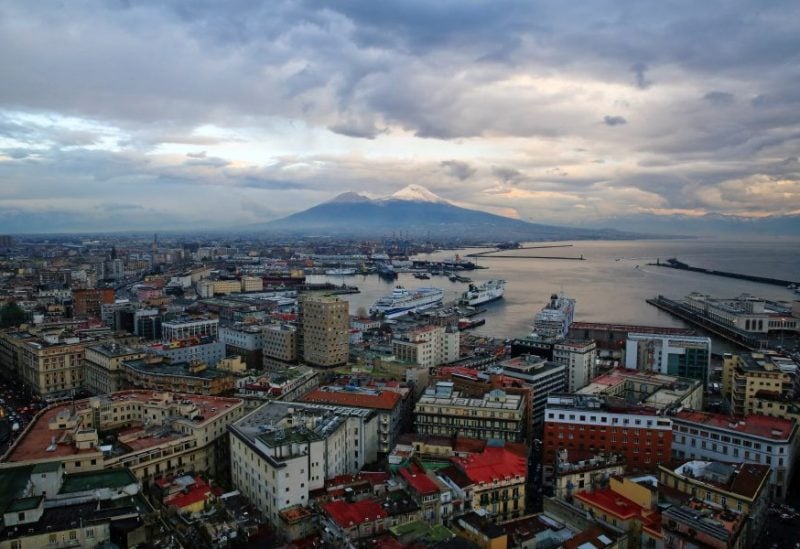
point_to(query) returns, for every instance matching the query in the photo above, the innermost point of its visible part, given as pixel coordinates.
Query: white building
(752, 439)
(281, 451)
(186, 327)
(675, 355)
(580, 358)
(428, 346)
(543, 376)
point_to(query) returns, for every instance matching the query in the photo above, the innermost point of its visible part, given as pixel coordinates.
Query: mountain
(416, 211)
(705, 225)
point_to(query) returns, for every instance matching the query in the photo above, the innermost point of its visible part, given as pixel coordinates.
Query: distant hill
(418, 212)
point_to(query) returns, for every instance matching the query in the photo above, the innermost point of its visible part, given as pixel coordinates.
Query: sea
(612, 282)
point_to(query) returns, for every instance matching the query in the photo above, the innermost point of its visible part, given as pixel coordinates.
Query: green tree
(11, 314)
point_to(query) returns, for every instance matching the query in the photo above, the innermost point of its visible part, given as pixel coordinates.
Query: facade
(188, 327)
(498, 475)
(50, 365)
(280, 346)
(542, 376)
(649, 389)
(682, 356)
(282, 451)
(88, 303)
(102, 364)
(428, 346)
(206, 350)
(577, 470)
(580, 358)
(325, 331)
(245, 340)
(154, 373)
(744, 375)
(387, 404)
(157, 434)
(745, 314)
(599, 424)
(497, 415)
(752, 439)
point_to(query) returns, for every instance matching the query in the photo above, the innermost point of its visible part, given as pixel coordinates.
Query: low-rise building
(579, 470)
(681, 356)
(649, 389)
(156, 374)
(153, 434)
(698, 525)
(752, 439)
(745, 374)
(444, 411)
(102, 363)
(428, 346)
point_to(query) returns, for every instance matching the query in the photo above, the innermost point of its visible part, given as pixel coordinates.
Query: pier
(492, 253)
(680, 265)
(727, 333)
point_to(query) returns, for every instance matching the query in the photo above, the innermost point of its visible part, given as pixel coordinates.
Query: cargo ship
(486, 292)
(402, 301)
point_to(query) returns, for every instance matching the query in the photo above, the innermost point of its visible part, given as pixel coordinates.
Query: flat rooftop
(756, 425)
(35, 443)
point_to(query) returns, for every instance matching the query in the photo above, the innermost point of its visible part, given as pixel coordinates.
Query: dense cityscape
(178, 391)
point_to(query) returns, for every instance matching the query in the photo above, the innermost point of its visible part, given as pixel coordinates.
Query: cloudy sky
(137, 114)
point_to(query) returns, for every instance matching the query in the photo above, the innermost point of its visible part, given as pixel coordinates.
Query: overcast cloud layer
(154, 115)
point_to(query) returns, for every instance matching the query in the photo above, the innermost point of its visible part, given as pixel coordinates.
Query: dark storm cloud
(614, 120)
(460, 170)
(719, 98)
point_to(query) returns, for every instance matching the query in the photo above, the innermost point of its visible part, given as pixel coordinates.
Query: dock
(678, 309)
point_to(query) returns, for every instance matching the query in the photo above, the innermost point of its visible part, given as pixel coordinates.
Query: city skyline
(140, 115)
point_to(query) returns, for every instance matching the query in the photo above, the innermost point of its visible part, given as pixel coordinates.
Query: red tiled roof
(494, 463)
(196, 493)
(757, 425)
(347, 514)
(419, 481)
(384, 400)
(622, 508)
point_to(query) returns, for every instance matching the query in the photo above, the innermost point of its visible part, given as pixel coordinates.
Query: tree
(11, 314)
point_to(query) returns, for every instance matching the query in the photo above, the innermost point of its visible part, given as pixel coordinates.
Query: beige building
(745, 374)
(325, 330)
(428, 346)
(280, 345)
(252, 284)
(444, 411)
(49, 364)
(580, 357)
(102, 364)
(575, 471)
(153, 434)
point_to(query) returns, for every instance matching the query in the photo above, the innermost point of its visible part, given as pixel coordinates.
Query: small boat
(422, 276)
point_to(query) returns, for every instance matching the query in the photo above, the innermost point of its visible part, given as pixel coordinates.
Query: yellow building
(745, 374)
(773, 404)
(153, 434)
(498, 476)
(102, 365)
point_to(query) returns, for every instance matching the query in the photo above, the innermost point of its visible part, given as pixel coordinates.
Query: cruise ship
(402, 301)
(554, 320)
(341, 271)
(486, 292)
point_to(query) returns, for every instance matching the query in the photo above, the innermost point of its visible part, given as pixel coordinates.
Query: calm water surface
(608, 286)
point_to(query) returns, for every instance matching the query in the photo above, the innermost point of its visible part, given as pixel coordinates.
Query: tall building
(325, 327)
(245, 340)
(542, 376)
(751, 439)
(580, 358)
(684, 356)
(280, 346)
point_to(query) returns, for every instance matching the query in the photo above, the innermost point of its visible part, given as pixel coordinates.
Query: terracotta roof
(494, 463)
(418, 481)
(382, 400)
(622, 508)
(198, 492)
(347, 514)
(587, 538)
(757, 425)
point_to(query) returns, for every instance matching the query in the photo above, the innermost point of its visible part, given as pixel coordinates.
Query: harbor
(673, 263)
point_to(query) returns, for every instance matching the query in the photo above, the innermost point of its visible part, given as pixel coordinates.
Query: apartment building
(325, 327)
(154, 434)
(578, 470)
(751, 439)
(282, 451)
(246, 341)
(102, 364)
(642, 435)
(744, 375)
(444, 411)
(88, 303)
(153, 373)
(428, 346)
(682, 356)
(280, 346)
(580, 358)
(649, 389)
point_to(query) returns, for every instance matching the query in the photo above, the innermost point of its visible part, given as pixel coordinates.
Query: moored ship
(402, 301)
(554, 320)
(486, 292)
